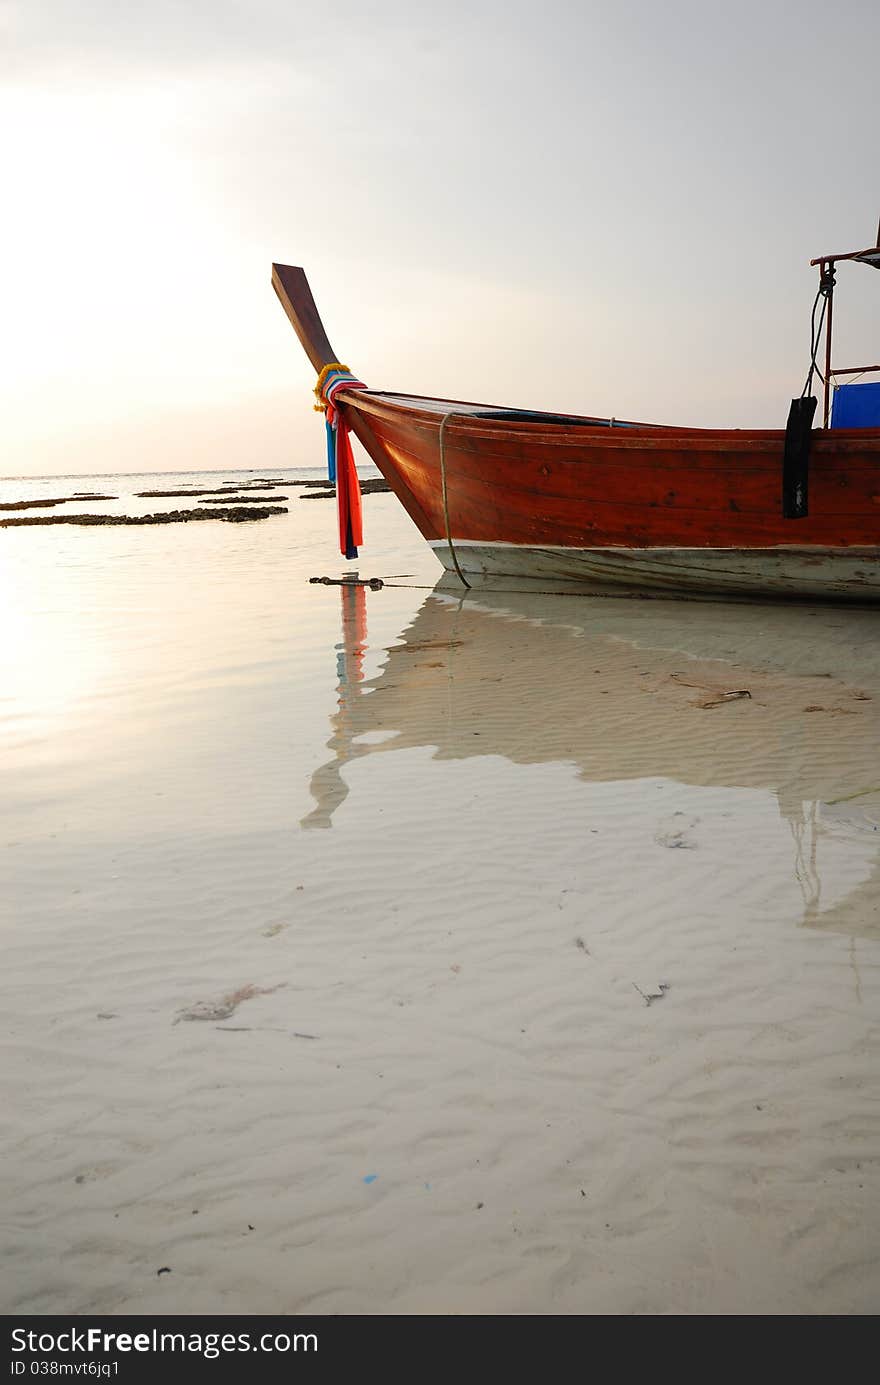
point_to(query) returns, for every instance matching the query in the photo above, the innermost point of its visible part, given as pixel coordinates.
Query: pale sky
(597, 207)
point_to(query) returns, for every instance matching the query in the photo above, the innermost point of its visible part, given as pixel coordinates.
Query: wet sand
(405, 951)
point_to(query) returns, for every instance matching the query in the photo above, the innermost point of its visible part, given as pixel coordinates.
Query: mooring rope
(453, 554)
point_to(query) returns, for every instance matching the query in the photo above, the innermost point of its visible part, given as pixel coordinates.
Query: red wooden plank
(595, 499)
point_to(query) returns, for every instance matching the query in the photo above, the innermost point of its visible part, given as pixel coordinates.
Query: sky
(589, 207)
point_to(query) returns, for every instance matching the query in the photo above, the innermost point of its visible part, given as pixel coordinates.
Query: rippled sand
(399, 951)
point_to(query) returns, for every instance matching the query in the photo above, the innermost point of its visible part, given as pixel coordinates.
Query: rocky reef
(238, 500)
(45, 504)
(231, 514)
(372, 486)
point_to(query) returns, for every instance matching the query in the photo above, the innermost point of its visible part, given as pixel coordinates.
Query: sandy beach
(406, 951)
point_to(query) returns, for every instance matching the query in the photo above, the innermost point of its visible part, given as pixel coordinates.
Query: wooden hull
(612, 504)
(631, 507)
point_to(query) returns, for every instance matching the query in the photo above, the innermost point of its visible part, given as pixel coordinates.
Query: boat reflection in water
(769, 698)
(328, 786)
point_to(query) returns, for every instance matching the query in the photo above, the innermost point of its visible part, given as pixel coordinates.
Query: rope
(453, 554)
(826, 288)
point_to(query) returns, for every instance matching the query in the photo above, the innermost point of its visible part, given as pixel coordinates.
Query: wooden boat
(611, 504)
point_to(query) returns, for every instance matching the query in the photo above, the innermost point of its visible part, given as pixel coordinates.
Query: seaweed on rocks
(212, 490)
(369, 487)
(238, 499)
(231, 514)
(45, 504)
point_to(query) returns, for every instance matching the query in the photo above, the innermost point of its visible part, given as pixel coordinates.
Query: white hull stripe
(850, 573)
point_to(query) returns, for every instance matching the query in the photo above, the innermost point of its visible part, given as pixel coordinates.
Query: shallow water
(530, 971)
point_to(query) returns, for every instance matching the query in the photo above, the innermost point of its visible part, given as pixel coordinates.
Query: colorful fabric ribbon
(340, 459)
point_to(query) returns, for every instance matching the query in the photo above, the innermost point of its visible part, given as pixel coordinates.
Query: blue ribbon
(331, 451)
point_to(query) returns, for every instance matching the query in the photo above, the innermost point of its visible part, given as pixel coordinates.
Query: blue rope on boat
(331, 450)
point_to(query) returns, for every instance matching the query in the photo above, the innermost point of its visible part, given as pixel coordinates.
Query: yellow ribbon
(321, 406)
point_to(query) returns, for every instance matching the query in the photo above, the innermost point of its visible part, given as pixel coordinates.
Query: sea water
(422, 950)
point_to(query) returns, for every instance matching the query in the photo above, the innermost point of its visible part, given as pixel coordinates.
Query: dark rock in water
(30, 504)
(233, 515)
(368, 487)
(212, 490)
(45, 504)
(238, 499)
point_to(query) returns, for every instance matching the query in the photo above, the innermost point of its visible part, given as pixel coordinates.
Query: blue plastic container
(856, 406)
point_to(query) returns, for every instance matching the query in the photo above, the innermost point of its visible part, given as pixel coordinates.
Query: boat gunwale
(615, 433)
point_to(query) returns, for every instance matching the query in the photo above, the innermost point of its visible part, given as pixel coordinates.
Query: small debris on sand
(675, 840)
(860, 793)
(723, 697)
(719, 695)
(261, 1029)
(374, 583)
(226, 1006)
(652, 993)
(420, 646)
